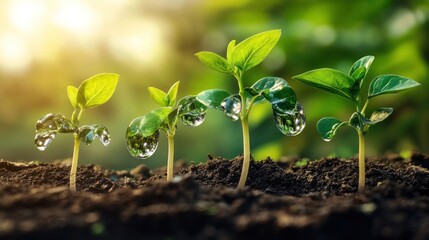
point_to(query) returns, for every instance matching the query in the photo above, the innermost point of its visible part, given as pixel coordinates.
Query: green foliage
(96, 90)
(93, 92)
(240, 58)
(389, 83)
(350, 87)
(253, 50)
(330, 80)
(164, 118)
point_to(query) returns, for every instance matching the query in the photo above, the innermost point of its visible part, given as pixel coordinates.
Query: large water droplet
(141, 147)
(54, 123)
(232, 107)
(192, 120)
(192, 113)
(48, 126)
(290, 124)
(42, 140)
(88, 133)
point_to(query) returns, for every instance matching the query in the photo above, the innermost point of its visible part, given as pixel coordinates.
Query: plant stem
(246, 153)
(170, 161)
(361, 184)
(245, 128)
(364, 107)
(73, 170)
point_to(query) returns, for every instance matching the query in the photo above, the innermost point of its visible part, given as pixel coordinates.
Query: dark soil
(281, 201)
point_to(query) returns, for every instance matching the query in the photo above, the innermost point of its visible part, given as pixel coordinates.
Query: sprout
(288, 115)
(349, 86)
(143, 132)
(93, 92)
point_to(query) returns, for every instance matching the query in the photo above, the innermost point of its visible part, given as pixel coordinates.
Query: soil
(281, 201)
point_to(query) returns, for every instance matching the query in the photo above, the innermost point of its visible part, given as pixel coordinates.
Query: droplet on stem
(232, 107)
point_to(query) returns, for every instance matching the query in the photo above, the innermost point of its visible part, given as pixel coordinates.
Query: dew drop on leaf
(232, 107)
(42, 140)
(141, 147)
(290, 124)
(193, 119)
(48, 126)
(88, 133)
(192, 113)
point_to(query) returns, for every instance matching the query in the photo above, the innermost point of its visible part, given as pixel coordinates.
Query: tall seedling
(93, 92)
(349, 86)
(288, 114)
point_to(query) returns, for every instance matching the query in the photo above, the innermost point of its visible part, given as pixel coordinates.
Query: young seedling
(349, 86)
(92, 92)
(288, 114)
(143, 132)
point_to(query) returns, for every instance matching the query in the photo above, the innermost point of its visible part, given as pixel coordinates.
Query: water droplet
(42, 140)
(141, 147)
(327, 139)
(192, 120)
(232, 107)
(192, 113)
(48, 126)
(88, 133)
(290, 124)
(54, 123)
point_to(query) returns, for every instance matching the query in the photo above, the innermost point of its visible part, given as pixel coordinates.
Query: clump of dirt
(281, 200)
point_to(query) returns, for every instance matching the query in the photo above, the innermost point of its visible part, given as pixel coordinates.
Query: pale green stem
(364, 107)
(246, 153)
(245, 129)
(74, 163)
(170, 161)
(361, 184)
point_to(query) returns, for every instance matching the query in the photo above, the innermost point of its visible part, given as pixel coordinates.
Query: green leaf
(172, 95)
(380, 114)
(151, 122)
(389, 83)
(364, 62)
(72, 94)
(96, 90)
(328, 126)
(231, 46)
(158, 96)
(215, 62)
(329, 80)
(269, 84)
(254, 49)
(213, 98)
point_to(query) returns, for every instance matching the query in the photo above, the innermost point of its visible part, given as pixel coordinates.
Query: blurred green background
(47, 45)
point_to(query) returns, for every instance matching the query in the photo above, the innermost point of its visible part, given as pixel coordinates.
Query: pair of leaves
(94, 91)
(165, 99)
(327, 127)
(165, 117)
(245, 55)
(349, 86)
(272, 89)
(49, 125)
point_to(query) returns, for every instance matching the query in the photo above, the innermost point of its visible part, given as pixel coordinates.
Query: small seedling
(288, 114)
(349, 86)
(92, 92)
(143, 132)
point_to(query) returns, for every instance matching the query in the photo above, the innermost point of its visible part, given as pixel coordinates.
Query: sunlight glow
(15, 54)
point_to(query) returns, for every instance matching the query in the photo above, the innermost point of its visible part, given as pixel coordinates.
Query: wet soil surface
(281, 201)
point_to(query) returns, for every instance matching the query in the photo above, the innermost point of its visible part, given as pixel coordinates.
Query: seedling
(92, 92)
(287, 112)
(143, 132)
(349, 86)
